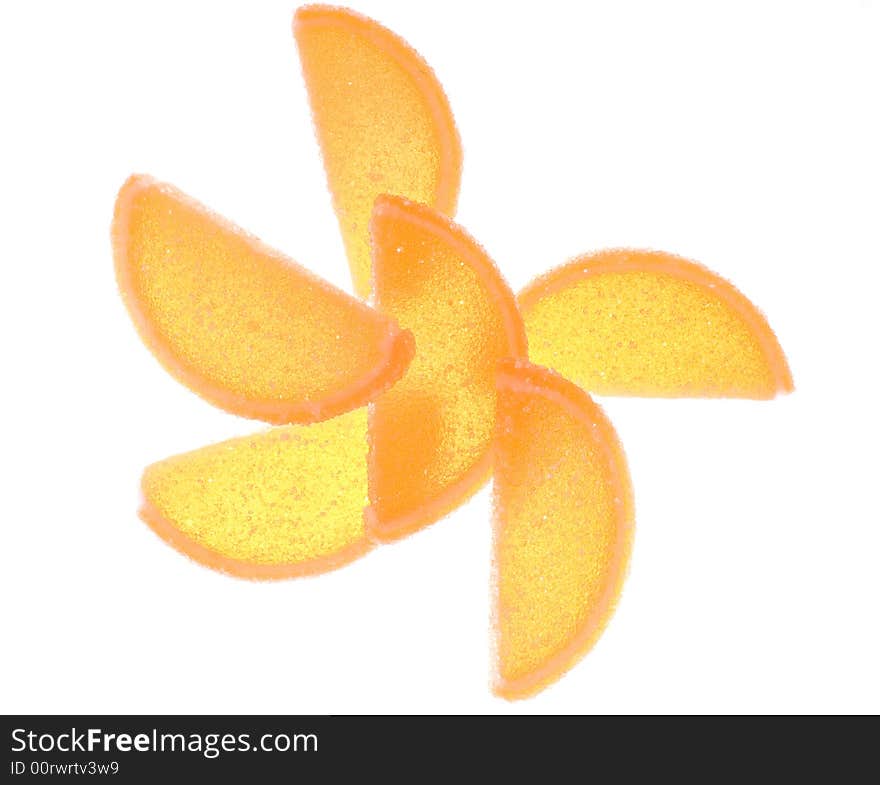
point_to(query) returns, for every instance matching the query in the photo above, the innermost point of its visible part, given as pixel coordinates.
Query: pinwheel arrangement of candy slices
(390, 413)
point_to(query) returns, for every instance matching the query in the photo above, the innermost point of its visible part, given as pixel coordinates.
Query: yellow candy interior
(431, 432)
(376, 123)
(242, 318)
(649, 334)
(289, 495)
(562, 534)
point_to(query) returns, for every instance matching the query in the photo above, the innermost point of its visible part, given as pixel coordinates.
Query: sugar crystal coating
(625, 322)
(431, 433)
(563, 527)
(240, 324)
(382, 120)
(278, 504)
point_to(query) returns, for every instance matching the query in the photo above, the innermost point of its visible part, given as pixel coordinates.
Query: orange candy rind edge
(397, 347)
(242, 569)
(422, 75)
(523, 376)
(473, 479)
(281, 503)
(622, 260)
(420, 72)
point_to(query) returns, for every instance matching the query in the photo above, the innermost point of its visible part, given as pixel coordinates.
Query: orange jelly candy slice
(382, 120)
(563, 527)
(430, 434)
(626, 322)
(279, 504)
(238, 323)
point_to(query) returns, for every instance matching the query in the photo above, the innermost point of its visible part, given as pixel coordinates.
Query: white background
(743, 135)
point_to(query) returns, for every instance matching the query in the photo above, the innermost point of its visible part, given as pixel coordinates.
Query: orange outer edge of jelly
(397, 347)
(524, 376)
(415, 66)
(610, 261)
(149, 513)
(475, 477)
